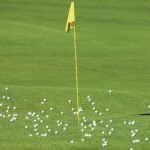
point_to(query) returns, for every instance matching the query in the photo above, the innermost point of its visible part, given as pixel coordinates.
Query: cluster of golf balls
(42, 123)
(134, 134)
(6, 110)
(38, 123)
(89, 128)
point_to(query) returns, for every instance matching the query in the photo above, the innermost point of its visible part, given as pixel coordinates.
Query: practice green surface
(37, 62)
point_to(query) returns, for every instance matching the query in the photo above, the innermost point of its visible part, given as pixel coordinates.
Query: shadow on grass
(144, 114)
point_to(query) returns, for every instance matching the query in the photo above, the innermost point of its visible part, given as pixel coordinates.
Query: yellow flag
(71, 18)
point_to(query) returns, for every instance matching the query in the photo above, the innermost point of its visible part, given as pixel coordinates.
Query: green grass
(37, 61)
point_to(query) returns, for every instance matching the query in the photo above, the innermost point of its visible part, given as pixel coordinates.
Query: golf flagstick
(71, 23)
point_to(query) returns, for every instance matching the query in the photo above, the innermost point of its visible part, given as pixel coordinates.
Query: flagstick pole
(76, 70)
